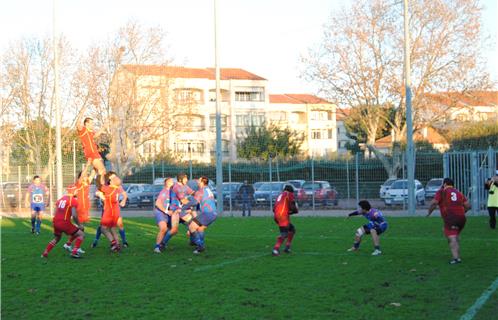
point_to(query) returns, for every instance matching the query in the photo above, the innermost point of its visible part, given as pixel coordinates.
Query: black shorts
(289, 228)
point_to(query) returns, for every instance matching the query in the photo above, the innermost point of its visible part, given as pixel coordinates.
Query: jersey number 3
(453, 196)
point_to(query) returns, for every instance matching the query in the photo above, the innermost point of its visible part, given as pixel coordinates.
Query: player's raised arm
(125, 197)
(80, 119)
(354, 213)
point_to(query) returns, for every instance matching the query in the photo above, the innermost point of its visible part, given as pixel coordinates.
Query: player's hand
(184, 201)
(122, 203)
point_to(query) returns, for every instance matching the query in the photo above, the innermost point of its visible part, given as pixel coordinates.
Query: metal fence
(351, 179)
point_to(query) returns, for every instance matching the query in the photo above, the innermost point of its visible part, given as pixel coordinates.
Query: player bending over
(198, 223)
(162, 213)
(452, 205)
(65, 208)
(35, 199)
(87, 137)
(109, 193)
(285, 205)
(376, 226)
(179, 205)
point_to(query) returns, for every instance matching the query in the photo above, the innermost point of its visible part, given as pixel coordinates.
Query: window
(331, 134)
(316, 134)
(189, 123)
(482, 116)
(189, 147)
(297, 118)
(247, 120)
(225, 148)
(225, 95)
(212, 122)
(319, 115)
(186, 95)
(250, 94)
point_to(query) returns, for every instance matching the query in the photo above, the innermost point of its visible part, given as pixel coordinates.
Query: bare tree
(133, 108)
(359, 63)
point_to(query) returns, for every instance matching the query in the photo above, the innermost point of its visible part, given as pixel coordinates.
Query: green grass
(237, 278)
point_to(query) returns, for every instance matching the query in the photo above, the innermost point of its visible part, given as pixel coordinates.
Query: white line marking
(225, 263)
(472, 311)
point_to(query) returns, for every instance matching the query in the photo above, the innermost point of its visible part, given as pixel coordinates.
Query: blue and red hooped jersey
(179, 192)
(206, 200)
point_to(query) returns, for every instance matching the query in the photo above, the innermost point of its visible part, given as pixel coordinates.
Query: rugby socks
(123, 235)
(33, 224)
(49, 247)
(200, 237)
(356, 245)
(290, 236)
(98, 233)
(70, 240)
(166, 238)
(280, 240)
(77, 245)
(38, 225)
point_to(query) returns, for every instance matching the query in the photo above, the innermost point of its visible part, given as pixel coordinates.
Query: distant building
(342, 137)
(190, 130)
(426, 134)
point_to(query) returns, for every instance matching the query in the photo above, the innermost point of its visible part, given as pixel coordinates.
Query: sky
(265, 37)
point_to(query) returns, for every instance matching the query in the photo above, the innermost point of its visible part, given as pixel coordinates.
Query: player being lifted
(65, 209)
(35, 199)
(285, 205)
(180, 203)
(109, 194)
(452, 205)
(376, 226)
(199, 222)
(162, 213)
(82, 192)
(87, 137)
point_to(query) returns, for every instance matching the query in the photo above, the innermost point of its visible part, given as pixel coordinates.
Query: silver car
(398, 193)
(385, 186)
(432, 187)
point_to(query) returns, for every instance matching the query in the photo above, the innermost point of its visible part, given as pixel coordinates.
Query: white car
(398, 193)
(385, 186)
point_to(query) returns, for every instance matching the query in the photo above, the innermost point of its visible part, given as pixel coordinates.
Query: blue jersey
(37, 193)
(165, 198)
(375, 216)
(179, 192)
(206, 200)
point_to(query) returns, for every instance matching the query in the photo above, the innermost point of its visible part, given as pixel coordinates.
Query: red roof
(342, 114)
(192, 73)
(470, 98)
(295, 98)
(432, 136)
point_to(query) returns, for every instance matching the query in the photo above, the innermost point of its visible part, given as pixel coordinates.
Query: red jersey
(64, 207)
(450, 202)
(282, 207)
(111, 194)
(83, 194)
(89, 147)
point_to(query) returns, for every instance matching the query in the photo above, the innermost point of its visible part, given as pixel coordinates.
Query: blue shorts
(380, 228)
(161, 216)
(191, 205)
(38, 207)
(206, 218)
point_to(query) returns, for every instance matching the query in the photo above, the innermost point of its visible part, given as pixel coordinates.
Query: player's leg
(33, 220)
(69, 243)
(175, 220)
(115, 239)
(284, 232)
(290, 236)
(38, 220)
(122, 232)
(98, 164)
(163, 228)
(376, 240)
(244, 207)
(98, 232)
(492, 211)
(454, 248)
(80, 236)
(249, 207)
(358, 236)
(52, 244)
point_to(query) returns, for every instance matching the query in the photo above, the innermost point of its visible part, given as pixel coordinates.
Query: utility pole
(219, 167)
(410, 152)
(58, 142)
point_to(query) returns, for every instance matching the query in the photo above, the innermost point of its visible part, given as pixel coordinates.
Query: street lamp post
(219, 175)
(410, 152)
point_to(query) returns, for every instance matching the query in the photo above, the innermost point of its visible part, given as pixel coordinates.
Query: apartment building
(190, 130)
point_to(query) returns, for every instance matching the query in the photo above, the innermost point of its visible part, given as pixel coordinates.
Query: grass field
(236, 278)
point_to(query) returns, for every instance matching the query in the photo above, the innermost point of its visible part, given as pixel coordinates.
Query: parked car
(257, 185)
(148, 195)
(385, 186)
(231, 191)
(398, 193)
(9, 194)
(432, 187)
(323, 192)
(267, 191)
(133, 191)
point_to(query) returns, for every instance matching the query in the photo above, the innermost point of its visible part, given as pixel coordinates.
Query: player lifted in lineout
(376, 226)
(87, 137)
(285, 205)
(65, 209)
(452, 205)
(36, 196)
